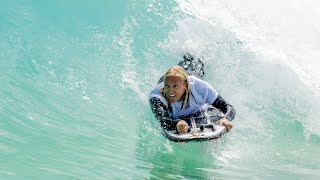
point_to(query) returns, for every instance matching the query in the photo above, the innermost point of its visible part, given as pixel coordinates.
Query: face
(174, 88)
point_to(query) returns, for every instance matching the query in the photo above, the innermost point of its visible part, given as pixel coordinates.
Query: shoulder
(198, 83)
(203, 89)
(156, 93)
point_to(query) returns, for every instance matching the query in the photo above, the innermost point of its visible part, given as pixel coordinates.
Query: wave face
(75, 78)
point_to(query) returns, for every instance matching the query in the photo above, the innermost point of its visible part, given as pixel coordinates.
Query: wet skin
(174, 88)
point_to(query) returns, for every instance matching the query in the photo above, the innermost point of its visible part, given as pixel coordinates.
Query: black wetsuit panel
(162, 114)
(225, 108)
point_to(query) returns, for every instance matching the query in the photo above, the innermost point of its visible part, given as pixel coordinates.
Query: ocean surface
(75, 77)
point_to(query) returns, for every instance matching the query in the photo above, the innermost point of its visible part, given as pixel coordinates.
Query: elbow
(231, 113)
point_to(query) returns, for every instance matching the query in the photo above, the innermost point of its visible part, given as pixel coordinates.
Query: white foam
(281, 32)
(129, 72)
(284, 32)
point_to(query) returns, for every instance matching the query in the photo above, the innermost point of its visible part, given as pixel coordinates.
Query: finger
(229, 126)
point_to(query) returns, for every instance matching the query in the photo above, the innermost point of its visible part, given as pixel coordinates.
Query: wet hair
(179, 72)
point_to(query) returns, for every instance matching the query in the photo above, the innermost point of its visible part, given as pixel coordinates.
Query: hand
(225, 122)
(182, 127)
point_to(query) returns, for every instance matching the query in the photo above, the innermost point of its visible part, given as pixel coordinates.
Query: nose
(170, 89)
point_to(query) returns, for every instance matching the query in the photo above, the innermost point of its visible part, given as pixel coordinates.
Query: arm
(225, 108)
(161, 113)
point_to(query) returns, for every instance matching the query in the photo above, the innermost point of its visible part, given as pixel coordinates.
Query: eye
(175, 86)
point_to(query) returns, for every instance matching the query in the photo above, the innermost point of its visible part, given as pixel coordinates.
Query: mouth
(171, 95)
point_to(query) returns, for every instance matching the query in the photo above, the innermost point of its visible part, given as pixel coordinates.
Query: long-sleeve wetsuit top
(201, 93)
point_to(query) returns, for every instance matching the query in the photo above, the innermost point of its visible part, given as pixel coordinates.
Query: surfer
(179, 96)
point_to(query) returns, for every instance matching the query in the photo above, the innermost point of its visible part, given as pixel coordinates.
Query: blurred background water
(75, 77)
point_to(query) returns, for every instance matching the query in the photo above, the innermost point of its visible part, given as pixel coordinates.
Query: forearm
(161, 113)
(228, 110)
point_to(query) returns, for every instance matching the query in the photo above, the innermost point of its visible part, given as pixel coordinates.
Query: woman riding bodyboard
(180, 96)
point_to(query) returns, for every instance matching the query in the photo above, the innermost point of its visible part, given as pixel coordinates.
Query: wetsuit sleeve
(161, 113)
(224, 107)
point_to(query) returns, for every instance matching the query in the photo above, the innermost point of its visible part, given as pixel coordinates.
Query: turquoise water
(75, 77)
